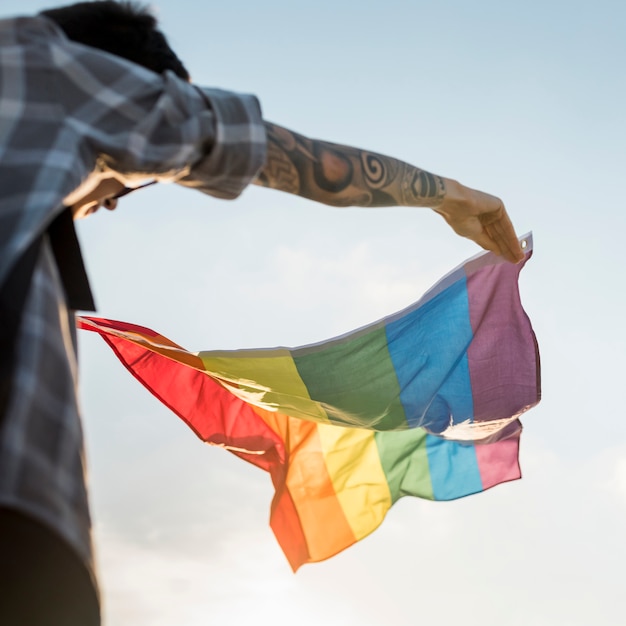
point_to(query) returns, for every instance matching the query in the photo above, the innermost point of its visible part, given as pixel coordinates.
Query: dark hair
(125, 29)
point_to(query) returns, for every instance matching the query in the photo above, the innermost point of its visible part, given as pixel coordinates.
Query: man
(93, 102)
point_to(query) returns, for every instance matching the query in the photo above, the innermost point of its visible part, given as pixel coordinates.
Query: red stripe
(218, 417)
(214, 414)
(286, 524)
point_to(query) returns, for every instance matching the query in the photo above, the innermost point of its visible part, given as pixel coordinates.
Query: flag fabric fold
(423, 403)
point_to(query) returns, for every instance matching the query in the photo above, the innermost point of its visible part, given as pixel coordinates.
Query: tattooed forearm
(422, 187)
(344, 176)
(279, 171)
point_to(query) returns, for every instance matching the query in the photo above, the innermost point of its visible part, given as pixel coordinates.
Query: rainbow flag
(424, 403)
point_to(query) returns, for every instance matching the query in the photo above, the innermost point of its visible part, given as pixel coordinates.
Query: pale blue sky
(521, 99)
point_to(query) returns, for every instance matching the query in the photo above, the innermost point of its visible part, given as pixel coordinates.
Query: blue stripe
(428, 348)
(453, 468)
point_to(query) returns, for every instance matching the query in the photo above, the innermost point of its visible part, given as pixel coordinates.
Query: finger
(507, 241)
(502, 232)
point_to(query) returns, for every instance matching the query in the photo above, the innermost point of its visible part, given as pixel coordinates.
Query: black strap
(66, 250)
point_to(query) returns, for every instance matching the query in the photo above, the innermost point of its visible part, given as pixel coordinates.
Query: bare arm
(344, 176)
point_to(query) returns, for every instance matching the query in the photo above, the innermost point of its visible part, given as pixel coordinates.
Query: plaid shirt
(65, 110)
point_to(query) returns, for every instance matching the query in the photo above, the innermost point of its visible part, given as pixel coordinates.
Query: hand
(481, 218)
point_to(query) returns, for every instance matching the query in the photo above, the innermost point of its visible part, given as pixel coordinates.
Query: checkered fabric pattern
(65, 110)
(41, 447)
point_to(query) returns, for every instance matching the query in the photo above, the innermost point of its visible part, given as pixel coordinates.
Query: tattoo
(418, 185)
(279, 170)
(344, 176)
(332, 170)
(379, 171)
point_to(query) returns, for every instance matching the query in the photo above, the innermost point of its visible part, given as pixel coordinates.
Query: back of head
(125, 29)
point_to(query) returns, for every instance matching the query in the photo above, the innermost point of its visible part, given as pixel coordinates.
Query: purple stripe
(503, 357)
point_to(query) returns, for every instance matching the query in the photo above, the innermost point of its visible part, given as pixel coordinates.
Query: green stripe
(355, 382)
(404, 458)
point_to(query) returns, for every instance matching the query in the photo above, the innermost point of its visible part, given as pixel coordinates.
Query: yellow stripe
(350, 454)
(357, 475)
(255, 379)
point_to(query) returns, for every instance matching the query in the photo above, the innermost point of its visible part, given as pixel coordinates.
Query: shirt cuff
(239, 150)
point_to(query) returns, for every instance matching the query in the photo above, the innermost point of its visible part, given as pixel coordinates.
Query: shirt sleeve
(140, 123)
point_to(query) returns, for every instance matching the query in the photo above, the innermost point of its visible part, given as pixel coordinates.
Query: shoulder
(29, 29)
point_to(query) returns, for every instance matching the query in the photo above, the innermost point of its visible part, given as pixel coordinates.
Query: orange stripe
(324, 526)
